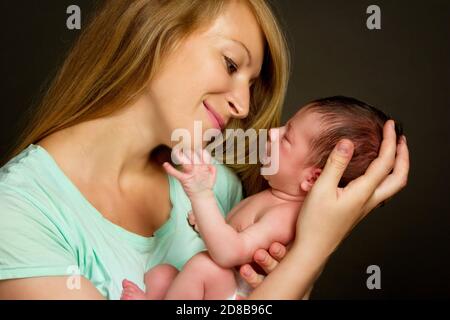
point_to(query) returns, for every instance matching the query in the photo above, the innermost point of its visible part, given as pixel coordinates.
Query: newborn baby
(304, 144)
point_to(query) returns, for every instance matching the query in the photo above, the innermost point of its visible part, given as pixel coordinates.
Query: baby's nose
(273, 132)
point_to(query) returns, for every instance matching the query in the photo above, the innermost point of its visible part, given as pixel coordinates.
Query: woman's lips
(215, 118)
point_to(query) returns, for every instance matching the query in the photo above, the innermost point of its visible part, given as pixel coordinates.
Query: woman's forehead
(237, 23)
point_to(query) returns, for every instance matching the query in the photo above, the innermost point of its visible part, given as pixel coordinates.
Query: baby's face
(294, 145)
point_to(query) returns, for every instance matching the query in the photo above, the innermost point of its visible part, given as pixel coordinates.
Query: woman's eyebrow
(246, 49)
(249, 54)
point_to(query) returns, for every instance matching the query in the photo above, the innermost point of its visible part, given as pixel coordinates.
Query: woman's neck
(109, 150)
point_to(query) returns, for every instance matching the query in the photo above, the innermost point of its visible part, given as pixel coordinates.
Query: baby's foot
(131, 291)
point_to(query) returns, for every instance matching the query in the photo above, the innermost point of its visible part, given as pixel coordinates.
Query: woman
(85, 203)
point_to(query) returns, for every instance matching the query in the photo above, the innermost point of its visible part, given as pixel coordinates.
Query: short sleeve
(228, 188)
(32, 243)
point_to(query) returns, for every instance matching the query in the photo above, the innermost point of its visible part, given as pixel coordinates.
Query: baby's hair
(346, 117)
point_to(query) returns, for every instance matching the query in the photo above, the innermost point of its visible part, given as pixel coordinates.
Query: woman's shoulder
(34, 240)
(20, 169)
(24, 181)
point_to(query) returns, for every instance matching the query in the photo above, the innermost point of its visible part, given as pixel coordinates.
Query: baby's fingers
(206, 157)
(191, 218)
(172, 171)
(181, 157)
(197, 157)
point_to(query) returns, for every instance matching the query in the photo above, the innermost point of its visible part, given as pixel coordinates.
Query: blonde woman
(84, 200)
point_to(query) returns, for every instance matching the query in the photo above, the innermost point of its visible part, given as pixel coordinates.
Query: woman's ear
(310, 178)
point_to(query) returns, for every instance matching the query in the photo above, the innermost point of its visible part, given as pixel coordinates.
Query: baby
(304, 144)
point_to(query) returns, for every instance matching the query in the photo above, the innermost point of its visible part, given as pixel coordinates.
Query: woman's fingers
(265, 260)
(336, 164)
(277, 250)
(394, 182)
(380, 168)
(250, 276)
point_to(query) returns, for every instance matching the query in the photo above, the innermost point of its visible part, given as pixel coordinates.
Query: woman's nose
(239, 102)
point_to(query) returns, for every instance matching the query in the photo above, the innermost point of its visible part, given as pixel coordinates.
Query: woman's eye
(231, 65)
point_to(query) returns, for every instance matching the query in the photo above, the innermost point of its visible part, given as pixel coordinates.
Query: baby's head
(308, 138)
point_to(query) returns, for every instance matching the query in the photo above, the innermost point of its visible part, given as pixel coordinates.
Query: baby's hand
(192, 221)
(198, 174)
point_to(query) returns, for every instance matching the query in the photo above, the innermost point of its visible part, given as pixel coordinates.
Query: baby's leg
(157, 282)
(202, 279)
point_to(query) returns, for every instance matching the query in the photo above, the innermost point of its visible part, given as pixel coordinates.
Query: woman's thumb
(337, 163)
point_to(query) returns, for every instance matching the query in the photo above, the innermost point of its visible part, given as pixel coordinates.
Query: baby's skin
(256, 222)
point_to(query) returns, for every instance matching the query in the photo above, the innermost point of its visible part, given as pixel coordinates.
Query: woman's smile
(216, 119)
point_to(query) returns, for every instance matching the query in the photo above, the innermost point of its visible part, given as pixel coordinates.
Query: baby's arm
(230, 248)
(226, 246)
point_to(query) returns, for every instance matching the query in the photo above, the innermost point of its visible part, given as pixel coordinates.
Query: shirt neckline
(135, 238)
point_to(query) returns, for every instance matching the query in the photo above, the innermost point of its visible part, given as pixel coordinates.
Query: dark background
(403, 69)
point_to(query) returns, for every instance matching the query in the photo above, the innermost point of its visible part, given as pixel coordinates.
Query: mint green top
(48, 228)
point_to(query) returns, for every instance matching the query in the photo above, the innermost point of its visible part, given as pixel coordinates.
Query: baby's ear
(310, 178)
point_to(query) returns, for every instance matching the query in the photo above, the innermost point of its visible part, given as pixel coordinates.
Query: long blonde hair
(121, 49)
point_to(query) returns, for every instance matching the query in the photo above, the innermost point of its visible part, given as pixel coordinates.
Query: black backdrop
(403, 68)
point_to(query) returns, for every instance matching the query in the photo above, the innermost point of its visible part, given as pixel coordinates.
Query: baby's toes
(130, 287)
(127, 284)
(131, 291)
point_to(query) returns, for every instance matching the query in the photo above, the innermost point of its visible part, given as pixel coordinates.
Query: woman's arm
(47, 288)
(330, 213)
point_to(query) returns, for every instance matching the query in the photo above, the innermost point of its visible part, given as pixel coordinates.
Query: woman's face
(212, 69)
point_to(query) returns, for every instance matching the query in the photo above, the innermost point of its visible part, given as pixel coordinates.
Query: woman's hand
(330, 213)
(266, 260)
